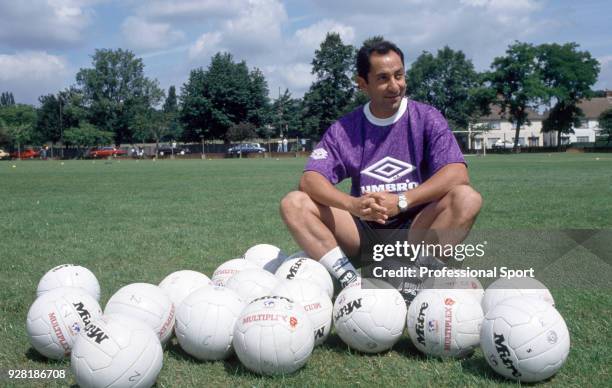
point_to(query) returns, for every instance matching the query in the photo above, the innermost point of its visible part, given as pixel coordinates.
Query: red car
(28, 153)
(102, 152)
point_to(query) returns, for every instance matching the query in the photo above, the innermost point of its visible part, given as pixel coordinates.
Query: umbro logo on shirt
(388, 169)
(318, 154)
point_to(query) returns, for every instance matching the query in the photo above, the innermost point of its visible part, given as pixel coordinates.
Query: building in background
(500, 130)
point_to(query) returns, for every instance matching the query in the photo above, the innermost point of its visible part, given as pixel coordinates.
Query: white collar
(389, 120)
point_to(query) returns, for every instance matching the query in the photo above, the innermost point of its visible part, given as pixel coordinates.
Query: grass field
(137, 221)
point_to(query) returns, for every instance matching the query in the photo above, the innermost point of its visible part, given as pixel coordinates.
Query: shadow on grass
(403, 347)
(32, 355)
(175, 351)
(477, 366)
(231, 365)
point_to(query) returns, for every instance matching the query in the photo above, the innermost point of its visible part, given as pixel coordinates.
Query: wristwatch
(402, 204)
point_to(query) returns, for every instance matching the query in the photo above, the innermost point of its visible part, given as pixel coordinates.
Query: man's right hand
(367, 209)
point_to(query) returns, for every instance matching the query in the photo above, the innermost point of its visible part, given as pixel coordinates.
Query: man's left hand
(387, 200)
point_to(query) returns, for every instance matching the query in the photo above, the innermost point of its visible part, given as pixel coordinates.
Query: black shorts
(371, 233)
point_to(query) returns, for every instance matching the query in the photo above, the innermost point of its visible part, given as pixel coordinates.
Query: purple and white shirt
(395, 154)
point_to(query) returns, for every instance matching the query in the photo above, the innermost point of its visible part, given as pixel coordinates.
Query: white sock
(338, 264)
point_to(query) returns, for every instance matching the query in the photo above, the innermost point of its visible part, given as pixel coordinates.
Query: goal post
(473, 140)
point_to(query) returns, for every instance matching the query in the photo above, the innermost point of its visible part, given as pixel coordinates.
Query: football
(57, 317)
(273, 336)
(116, 350)
(69, 275)
(146, 302)
(468, 285)
(525, 339)
(370, 320)
(504, 288)
(445, 323)
(205, 322)
(265, 256)
(317, 305)
(178, 285)
(307, 269)
(252, 283)
(228, 269)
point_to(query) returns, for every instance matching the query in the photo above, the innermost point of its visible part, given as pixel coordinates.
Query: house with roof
(498, 129)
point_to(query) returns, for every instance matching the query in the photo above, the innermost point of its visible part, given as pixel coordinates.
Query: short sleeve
(326, 159)
(441, 147)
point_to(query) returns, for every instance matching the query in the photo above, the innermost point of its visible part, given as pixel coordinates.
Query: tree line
(114, 102)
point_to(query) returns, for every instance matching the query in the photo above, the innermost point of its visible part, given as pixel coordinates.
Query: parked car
(246, 148)
(4, 154)
(504, 144)
(28, 153)
(168, 151)
(102, 152)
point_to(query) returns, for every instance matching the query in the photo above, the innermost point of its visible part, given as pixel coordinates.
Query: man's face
(386, 84)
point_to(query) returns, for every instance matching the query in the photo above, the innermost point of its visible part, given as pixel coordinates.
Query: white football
(228, 269)
(445, 323)
(504, 288)
(468, 285)
(178, 285)
(252, 283)
(307, 269)
(56, 318)
(146, 302)
(69, 275)
(273, 335)
(116, 350)
(265, 256)
(525, 339)
(370, 320)
(317, 305)
(205, 322)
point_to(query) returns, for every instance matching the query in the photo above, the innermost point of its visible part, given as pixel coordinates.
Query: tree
(241, 132)
(171, 103)
(86, 135)
(18, 123)
(258, 108)
(115, 90)
(517, 82)
(152, 124)
(449, 82)
(568, 75)
(605, 125)
(330, 96)
(7, 99)
(171, 111)
(286, 115)
(48, 119)
(223, 95)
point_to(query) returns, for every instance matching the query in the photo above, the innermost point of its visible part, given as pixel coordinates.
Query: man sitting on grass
(407, 172)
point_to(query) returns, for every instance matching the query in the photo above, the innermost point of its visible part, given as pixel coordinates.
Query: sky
(44, 43)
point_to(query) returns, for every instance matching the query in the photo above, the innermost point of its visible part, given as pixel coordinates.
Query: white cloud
(482, 29)
(41, 24)
(141, 34)
(296, 77)
(33, 73)
(206, 45)
(312, 36)
(512, 5)
(605, 73)
(257, 29)
(190, 9)
(255, 33)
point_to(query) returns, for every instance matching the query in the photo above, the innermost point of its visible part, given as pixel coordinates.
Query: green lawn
(137, 221)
